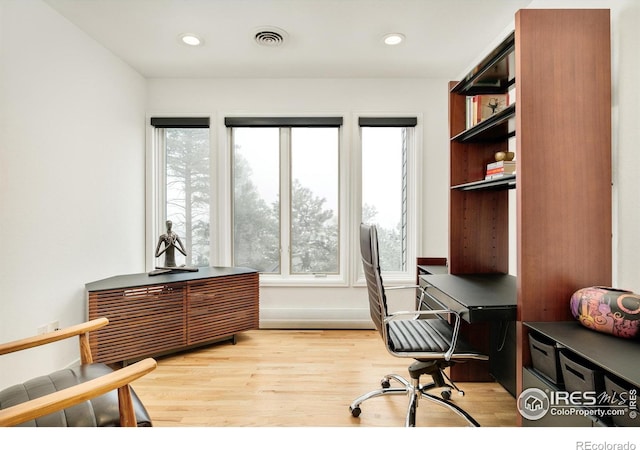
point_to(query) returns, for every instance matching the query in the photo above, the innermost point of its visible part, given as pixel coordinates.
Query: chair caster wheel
(355, 412)
(446, 394)
(385, 383)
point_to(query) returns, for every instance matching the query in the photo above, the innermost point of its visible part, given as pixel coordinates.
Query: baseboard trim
(315, 318)
(316, 324)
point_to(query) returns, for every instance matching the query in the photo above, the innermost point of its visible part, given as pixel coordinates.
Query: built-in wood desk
(156, 315)
(478, 298)
(487, 303)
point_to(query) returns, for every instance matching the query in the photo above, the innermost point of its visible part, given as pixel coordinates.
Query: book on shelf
(498, 169)
(498, 175)
(481, 107)
(492, 172)
(501, 164)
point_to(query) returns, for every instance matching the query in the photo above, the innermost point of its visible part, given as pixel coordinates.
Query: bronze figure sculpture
(171, 242)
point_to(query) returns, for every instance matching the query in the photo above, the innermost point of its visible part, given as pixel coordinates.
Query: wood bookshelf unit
(559, 61)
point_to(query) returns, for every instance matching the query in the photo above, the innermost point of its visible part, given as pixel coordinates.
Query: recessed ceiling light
(191, 39)
(393, 38)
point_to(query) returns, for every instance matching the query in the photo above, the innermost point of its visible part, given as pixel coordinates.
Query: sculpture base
(178, 269)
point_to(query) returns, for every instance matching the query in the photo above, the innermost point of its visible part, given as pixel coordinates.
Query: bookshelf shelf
(498, 127)
(505, 182)
(494, 74)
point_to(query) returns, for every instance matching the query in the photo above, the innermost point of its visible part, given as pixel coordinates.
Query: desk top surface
(144, 279)
(477, 290)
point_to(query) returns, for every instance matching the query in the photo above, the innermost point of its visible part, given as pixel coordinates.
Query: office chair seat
(426, 336)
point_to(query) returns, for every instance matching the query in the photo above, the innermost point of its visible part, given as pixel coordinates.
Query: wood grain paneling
(221, 307)
(156, 319)
(142, 321)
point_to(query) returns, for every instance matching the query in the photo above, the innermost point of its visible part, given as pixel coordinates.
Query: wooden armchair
(80, 396)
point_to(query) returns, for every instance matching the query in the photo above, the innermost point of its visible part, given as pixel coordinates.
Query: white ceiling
(326, 38)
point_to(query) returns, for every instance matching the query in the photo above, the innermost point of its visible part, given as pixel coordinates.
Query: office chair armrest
(456, 325)
(411, 286)
(422, 312)
(434, 312)
(393, 288)
(423, 291)
(47, 404)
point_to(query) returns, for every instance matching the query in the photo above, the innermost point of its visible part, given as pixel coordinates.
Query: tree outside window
(285, 184)
(188, 190)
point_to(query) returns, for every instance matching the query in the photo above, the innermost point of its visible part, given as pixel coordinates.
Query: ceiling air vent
(270, 37)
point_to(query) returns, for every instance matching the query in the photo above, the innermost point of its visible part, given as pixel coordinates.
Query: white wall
(626, 161)
(327, 306)
(72, 176)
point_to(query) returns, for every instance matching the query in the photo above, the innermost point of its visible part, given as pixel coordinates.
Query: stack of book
(499, 169)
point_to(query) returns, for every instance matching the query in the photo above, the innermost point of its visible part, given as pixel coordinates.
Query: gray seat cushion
(431, 335)
(101, 411)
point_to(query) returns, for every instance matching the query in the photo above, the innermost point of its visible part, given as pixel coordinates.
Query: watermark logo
(533, 403)
(633, 403)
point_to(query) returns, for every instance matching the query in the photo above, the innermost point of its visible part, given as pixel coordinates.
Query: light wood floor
(299, 378)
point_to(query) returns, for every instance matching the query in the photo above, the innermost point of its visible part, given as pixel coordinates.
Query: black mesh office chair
(423, 335)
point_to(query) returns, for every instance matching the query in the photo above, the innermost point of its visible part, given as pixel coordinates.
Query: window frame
(155, 187)
(350, 200)
(414, 192)
(285, 124)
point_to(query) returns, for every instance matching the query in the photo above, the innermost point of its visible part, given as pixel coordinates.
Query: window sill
(269, 280)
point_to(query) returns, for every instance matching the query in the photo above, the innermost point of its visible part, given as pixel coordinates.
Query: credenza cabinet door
(142, 321)
(220, 307)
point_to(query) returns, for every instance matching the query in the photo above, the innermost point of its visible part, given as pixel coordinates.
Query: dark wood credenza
(158, 315)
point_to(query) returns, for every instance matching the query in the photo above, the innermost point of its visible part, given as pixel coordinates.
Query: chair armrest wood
(119, 379)
(58, 335)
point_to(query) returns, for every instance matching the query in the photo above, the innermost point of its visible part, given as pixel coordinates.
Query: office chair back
(373, 276)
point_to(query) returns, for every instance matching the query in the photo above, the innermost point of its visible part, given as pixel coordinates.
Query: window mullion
(161, 189)
(285, 201)
(156, 192)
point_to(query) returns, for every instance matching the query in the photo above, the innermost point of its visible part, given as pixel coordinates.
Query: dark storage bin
(544, 356)
(579, 375)
(622, 396)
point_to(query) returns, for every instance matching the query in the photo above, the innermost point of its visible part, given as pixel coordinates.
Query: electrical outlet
(53, 326)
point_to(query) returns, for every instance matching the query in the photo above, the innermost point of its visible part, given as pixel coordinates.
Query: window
(286, 195)
(387, 144)
(185, 191)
